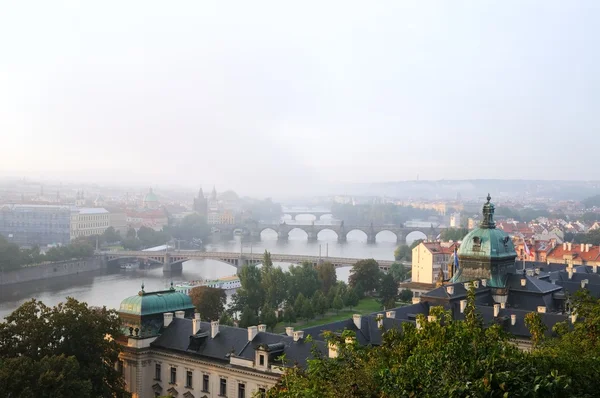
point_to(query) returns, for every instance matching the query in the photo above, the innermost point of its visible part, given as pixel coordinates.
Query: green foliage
(248, 317)
(289, 314)
(226, 319)
(63, 349)
(415, 243)
(262, 210)
(327, 276)
(592, 201)
(302, 279)
(268, 317)
(592, 237)
(131, 243)
(364, 276)
(536, 327)
(150, 238)
(406, 295)
(338, 303)
(524, 215)
(378, 214)
(388, 289)
(308, 311)
(299, 305)
(192, 226)
(454, 234)
(403, 253)
(319, 303)
(351, 299)
(251, 293)
(111, 236)
(209, 302)
(399, 272)
(274, 282)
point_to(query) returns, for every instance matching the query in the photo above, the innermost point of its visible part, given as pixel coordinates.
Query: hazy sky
(274, 97)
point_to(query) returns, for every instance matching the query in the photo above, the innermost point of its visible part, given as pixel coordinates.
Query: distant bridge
(341, 231)
(293, 212)
(173, 260)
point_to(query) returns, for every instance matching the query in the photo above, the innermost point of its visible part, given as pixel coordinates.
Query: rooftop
(156, 302)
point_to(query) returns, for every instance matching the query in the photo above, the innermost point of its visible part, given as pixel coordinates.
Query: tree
(251, 294)
(365, 275)
(406, 295)
(73, 339)
(248, 318)
(302, 279)
(111, 236)
(274, 282)
(268, 317)
(399, 272)
(319, 303)
(454, 234)
(209, 302)
(351, 298)
(131, 233)
(307, 310)
(193, 226)
(327, 276)
(226, 319)
(131, 243)
(338, 304)
(403, 253)
(299, 305)
(289, 315)
(415, 243)
(388, 289)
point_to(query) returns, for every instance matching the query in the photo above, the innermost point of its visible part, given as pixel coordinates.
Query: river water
(109, 288)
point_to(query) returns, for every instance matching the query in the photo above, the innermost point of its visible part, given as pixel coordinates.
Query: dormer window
(261, 359)
(476, 243)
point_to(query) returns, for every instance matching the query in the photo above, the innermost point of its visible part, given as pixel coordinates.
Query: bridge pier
(282, 236)
(371, 238)
(342, 238)
(400, 239)
(173, 267)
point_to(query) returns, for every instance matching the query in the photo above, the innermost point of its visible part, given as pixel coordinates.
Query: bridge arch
(328, 230)
(352, 234)
(297, 228)
(415, 235)
(272, 230)
(388, 231)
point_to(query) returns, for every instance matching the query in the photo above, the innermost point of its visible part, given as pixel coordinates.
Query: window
(223, 388)
(241, 390)
(157, 372)
(205, 383)
(173, 375)
(261, 360)
(262, 393)
(188, 379)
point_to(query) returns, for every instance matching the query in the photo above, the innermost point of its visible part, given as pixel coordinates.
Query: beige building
(428, 258)
(88, 221)
(170, 351)
(227, 217)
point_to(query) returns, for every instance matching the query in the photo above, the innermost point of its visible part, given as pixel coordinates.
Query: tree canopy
(454, 234)
(68, 350)
(364, 276)
(209, 302)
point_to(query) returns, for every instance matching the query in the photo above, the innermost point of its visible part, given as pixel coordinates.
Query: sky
(291, 97)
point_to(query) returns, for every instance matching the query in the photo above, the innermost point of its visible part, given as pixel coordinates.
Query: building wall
(227, 217)
(84, 224)
(140, 369)
(213, 218)
(118, 221)
(29, 225)
(51, 270)
(422, 264)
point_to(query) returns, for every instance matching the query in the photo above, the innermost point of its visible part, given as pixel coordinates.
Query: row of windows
(93, 218)
(34, 224)
(189, 380)
(93, 225)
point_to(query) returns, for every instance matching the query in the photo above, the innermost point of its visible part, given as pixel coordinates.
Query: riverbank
(52, 270)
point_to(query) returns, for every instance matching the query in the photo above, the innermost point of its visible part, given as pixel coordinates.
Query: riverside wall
(52, 270)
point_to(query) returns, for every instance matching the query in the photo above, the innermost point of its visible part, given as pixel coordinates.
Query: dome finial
(172, 288)
(489, 198)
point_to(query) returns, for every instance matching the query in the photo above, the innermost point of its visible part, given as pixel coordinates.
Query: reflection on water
(109, 288)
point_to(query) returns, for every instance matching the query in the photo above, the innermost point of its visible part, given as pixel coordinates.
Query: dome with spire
(151, 200)
(486, 252)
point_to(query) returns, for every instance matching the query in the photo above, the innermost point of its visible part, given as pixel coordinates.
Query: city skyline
(301, 100)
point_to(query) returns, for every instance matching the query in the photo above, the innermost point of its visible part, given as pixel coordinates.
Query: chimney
(537, 271)
(262, 327)
(564, 245)
(467, 285)
(168, 318)
(584, 282)
(252, 332)
(214, 329)
(289, 331)
(450, 289)
(570, 270)
(390, 314)
(484, 282)
(595, 269)
(476, 284)
(541, 309)
(180, 314)
(503, 305)
(380, 320)
(569, 246)
(496, 310)
(587, 247)
(513, 319)
(195, 325)
(582, 247)
(298, 335)
(197, 315)
(357, 320)
(333, 353)
(463, 305)
(416, 300)
(523, 282)
(573, 318)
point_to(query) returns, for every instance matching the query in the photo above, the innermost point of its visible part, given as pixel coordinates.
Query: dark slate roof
(230, 340)
(459, 291)
(533, 284)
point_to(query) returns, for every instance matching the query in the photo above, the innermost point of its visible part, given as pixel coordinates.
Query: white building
(88, 221)
(455, 220)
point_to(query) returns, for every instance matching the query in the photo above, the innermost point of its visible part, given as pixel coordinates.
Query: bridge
(341, 230)
(293, 212)
(173, 260)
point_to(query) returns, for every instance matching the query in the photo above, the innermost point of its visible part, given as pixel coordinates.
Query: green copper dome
(150, 196)
(486, 252)
(156, 302)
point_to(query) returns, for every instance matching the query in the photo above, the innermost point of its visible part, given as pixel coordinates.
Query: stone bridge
(341, 231)
(313, 212)
(173, 260)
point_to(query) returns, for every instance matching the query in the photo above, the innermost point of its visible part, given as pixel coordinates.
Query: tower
(79, 199)
(201, 204)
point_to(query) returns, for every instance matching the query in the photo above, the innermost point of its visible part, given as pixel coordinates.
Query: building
(227, 217)
(455, 220)
(41, 225)
(117, 219)
(89, 221)
(150, 201)
(429, 258)
(538, 249)
(574, 254)
(200, 205)
(168, 350)
(155, 219)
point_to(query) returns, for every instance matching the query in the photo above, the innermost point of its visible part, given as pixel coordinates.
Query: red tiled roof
(593, 254)
(437, 248)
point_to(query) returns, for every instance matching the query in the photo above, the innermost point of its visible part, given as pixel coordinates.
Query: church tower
(201, 204)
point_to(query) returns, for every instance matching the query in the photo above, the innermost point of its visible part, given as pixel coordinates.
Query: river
(110, 287)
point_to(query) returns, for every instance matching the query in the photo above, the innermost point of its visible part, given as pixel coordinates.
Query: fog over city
(270, 97)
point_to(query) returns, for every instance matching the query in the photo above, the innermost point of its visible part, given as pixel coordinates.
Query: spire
(200, 194)
(488, 215)
(213, 195)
